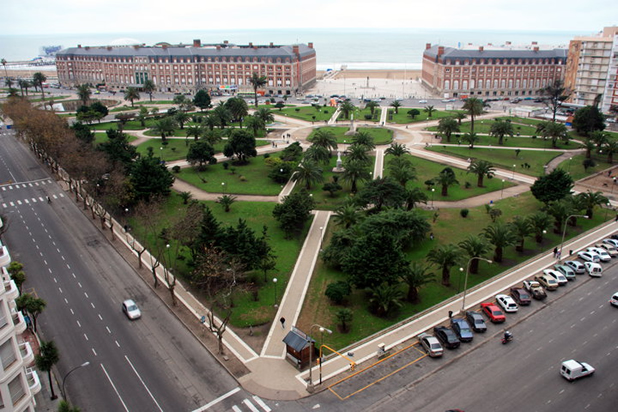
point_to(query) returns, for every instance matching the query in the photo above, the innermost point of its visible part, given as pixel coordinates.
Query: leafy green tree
(241, 243)
(553, 131)
(474, 107)
(553, 186)
(445, 257)
(338, 291)
(397, 150)
(45, 360)
(447, 126)
(238, 109)
(413, 113)
(522, 228)
(385, 299)
(83, 133)
(84, 93)
(500, 235)
(406, 227)
(149, 87)
(17, 274)
(355, 172)
(429, 110)
(201, 152)
(324, 138)
(382, 192)
(131, 95)
(294, 212)
(117, 149)
(396, 104)
(64, 406)
(501, 128)
(481, 168)
(202, 100)
(344, 316)
(402, 170)
(241, 144)
(165, 127)
(308, 172)
(475, 246)
(590, 200)
(588, 120)
(445, 179)
(292, 153)
(257, 81)
(38, 79)
(417, 276)
(31, 304)
(149, 177)
(554, 94)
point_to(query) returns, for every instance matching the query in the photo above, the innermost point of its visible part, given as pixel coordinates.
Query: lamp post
(564, 230)
(322, 329)
(463, 303)
(330, 332)
(67, 375)
(514, 166)
(502, 190)
(223, 187)
(275, 283)
(432, 191)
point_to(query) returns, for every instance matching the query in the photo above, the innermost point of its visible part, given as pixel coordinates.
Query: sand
(377, 74)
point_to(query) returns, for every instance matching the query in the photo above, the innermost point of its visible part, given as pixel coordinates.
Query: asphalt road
(152, 364)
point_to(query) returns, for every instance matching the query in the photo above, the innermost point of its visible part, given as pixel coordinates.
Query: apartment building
(491, 71)
(187, 68)
(610, 95)
(18, 382)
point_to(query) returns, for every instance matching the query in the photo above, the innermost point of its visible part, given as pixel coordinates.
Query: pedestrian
(559, 254)
(555, 251)
(570, 252)
(617, 217)
(282, 320)
(431, 236)
(450, 313)
(48, 199)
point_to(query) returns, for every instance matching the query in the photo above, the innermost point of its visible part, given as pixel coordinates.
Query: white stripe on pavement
(216, 401)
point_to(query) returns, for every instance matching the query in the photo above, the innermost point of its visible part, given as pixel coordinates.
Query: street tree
(371, 105)
(554, 94)
(501, 128)
(475, 246)
(553, 186)
(587, 120)
(200, 153)
(241, 145)
(396, 104)
(202, 99)
(592, 199)
(131, 94)
(149, 87)
(481, 168)
(149, 177)
(32, 305)
(500, 235)
(445, 257)
(45, 360)
(382, 192)
(447, 126)
(17, 273)
(474, 107)
(413, 113)
(257, 81)
(294, 212)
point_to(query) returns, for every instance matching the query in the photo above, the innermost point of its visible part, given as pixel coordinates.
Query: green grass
(308, 113)
(575, 167)
(402, 116)
(380, 135)
(514, 142)
(503, 158)
(100, 137)
(359, 115)
(484, 127)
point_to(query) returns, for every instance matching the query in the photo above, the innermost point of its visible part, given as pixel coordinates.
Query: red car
(493, 312)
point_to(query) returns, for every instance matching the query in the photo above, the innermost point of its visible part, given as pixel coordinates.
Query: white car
(577, 266)
(431, 345)
(567, 271)
(613, 242)
(610, 249)
(594, 269)
(131, 310)
(589, 256)
(422, 101)
(603, 255)
(614, 299)
(560, 278)
(507, 303)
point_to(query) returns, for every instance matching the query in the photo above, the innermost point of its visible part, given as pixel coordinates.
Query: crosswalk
(29, 200)
(247, 402)
(223, 402)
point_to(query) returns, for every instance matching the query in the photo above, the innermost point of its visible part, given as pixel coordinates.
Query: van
(573, 369)
(594, 269)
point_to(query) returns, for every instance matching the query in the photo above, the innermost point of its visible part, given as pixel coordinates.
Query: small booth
(297, 347)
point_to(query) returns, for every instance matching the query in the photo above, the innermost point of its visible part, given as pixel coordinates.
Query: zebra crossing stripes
(24, 185)
(31, 200)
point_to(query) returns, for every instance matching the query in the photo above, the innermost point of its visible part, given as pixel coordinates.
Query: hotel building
(187, 68)
(491, 72)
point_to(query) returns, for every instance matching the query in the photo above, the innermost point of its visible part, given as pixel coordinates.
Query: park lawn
(318, 309)
(308, 113)
(380, 135)
(250, 179)
(427, 169)
(402, 116)
(515, 142)
(504, 159)
(574, 166)
(359, 115)
(130, 125)
(484, 127)
(175, 149)
(101, 136)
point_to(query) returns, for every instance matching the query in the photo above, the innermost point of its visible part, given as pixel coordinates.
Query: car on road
(535, 288)
(521, 296)
(431, 345)
(507, 303)
(475, 319)
(613, 242)
(589, 256)
(493, 312)
(614, 299)
(462, 329)
(594, 269)
(610, 249)
(603, 255)
(572, 369)
(131, 310)
(547, 282)
(559, 277)
(567, 271)
(447, 337)
(577, 266)
(422, 101)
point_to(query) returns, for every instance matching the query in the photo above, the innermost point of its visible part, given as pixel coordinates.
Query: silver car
(431, 345)
(131, 310)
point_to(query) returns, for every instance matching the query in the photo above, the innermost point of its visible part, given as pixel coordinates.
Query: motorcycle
(507, 338)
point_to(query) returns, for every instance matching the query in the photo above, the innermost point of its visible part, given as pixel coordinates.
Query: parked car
(559, 277)
(613, 242)
(567, 271)
(603, 255)
(462, 329)
(535, 288)
(507, 303)
(547, 282)
(577, 266)
(594, 269)
(422, 101)
(589, 256)
(614, 299)
(493, 312)
(475, 319)
(431, 345)
(521, 296)
(131, 310)
(573, 369)
(447, 337)
(610, 249)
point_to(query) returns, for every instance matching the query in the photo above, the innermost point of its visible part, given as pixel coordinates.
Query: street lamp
(432, 191)
(275, 283)
(502, 190)
(330, 332)
(564, 230)
(67, 375)
(223, 187)
(463, 303)
(322, 329)
(514, 166)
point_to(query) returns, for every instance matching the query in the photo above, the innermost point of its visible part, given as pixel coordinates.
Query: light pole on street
(514, 166)
(463, 303)
(330, 332)
(564, 230)
(432, 192)
(502, 190)
(275, 283)
(311, 348)
(64, 396)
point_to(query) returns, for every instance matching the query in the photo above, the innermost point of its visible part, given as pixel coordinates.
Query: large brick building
(187, 68)
(489, 71)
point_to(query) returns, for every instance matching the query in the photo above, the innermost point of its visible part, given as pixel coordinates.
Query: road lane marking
(236, 408)
(114, 386)
(95, 352)
(86, 336)
(79, 324)
(85, 294)
(142, 381)
(108, 331)
(216, 401)
(92, 304)
(117, 344)
(55, 280)
(261, 403)
(250, 405)
(79, 284)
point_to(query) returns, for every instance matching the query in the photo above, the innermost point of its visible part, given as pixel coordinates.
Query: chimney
(218, 47)
(79, 46)
(109, 48)
(440, 50)
(225, 42)
(271, 44)
(197, 43)
(164, 46)
(481, 48)
(427, 46)
(310, 45)
(87, 47)
(508, 43)
(536, 48)
(489, 44)
(250, 44)
(295, 49)
(136, 47)
(534, 43)
(469, 44)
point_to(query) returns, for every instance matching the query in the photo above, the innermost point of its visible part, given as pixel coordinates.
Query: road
(152, 364)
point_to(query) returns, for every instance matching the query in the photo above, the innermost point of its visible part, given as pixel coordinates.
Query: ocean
(360, 49)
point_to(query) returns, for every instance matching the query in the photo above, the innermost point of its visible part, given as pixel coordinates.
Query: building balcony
(10, 289)
(5, 257)
(27, 355)
(19, 322)
(33, 381)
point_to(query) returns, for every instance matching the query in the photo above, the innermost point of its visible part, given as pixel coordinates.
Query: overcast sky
(103, 16)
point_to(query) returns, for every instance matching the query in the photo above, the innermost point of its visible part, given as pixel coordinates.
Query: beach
(378, 74)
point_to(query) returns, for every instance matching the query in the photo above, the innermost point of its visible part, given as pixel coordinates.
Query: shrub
(266, 155)
(464, 213)
(338, 291)
(467, 185)
(368, 117)
(226, 165)
(176, 169)
(297, 109)
(242, 178)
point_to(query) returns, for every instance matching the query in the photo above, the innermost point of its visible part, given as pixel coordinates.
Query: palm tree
(346, 109)
(417, 276)
(481, 168)
(445, 179)
(470, 139)
(371, 105)
(46, 359)
(553, 131)
(445, 257)
(346, 216)
(447, 126)
(460, 116)
(397, 149)
(211, 121)
(39, 78)
(181, 117)
(324, 138)
(591, 199)
(21, 83)
(222, 114)
(364, 138)
(357, 153)
(589, 145)
(560, 210)
(84, 93)
(429, 110)
(255, 123)
(149, 87)
(415, 196)
(500, 235)
(317, 154)
(238, 108)
(3, 62)
(226, 201)
(385, 298)
(475, 246)
(599, 137)
(195, 131)
(609, 149)
(555, 94)
(265, 114)
(131, 95)
(474, 107)
(257, 81)
(396, 104)
(354, 172)
(522, 228)
(308, 172)
(402, 170)
(500, 129)
(164, 127)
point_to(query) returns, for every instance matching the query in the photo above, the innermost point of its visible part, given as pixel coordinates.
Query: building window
(7, 354)
(16, 389)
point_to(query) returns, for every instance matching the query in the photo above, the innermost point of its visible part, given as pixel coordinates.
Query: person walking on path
(555, 252)
(282, 320)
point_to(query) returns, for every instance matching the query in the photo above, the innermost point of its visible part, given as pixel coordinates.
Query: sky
(22, 17)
